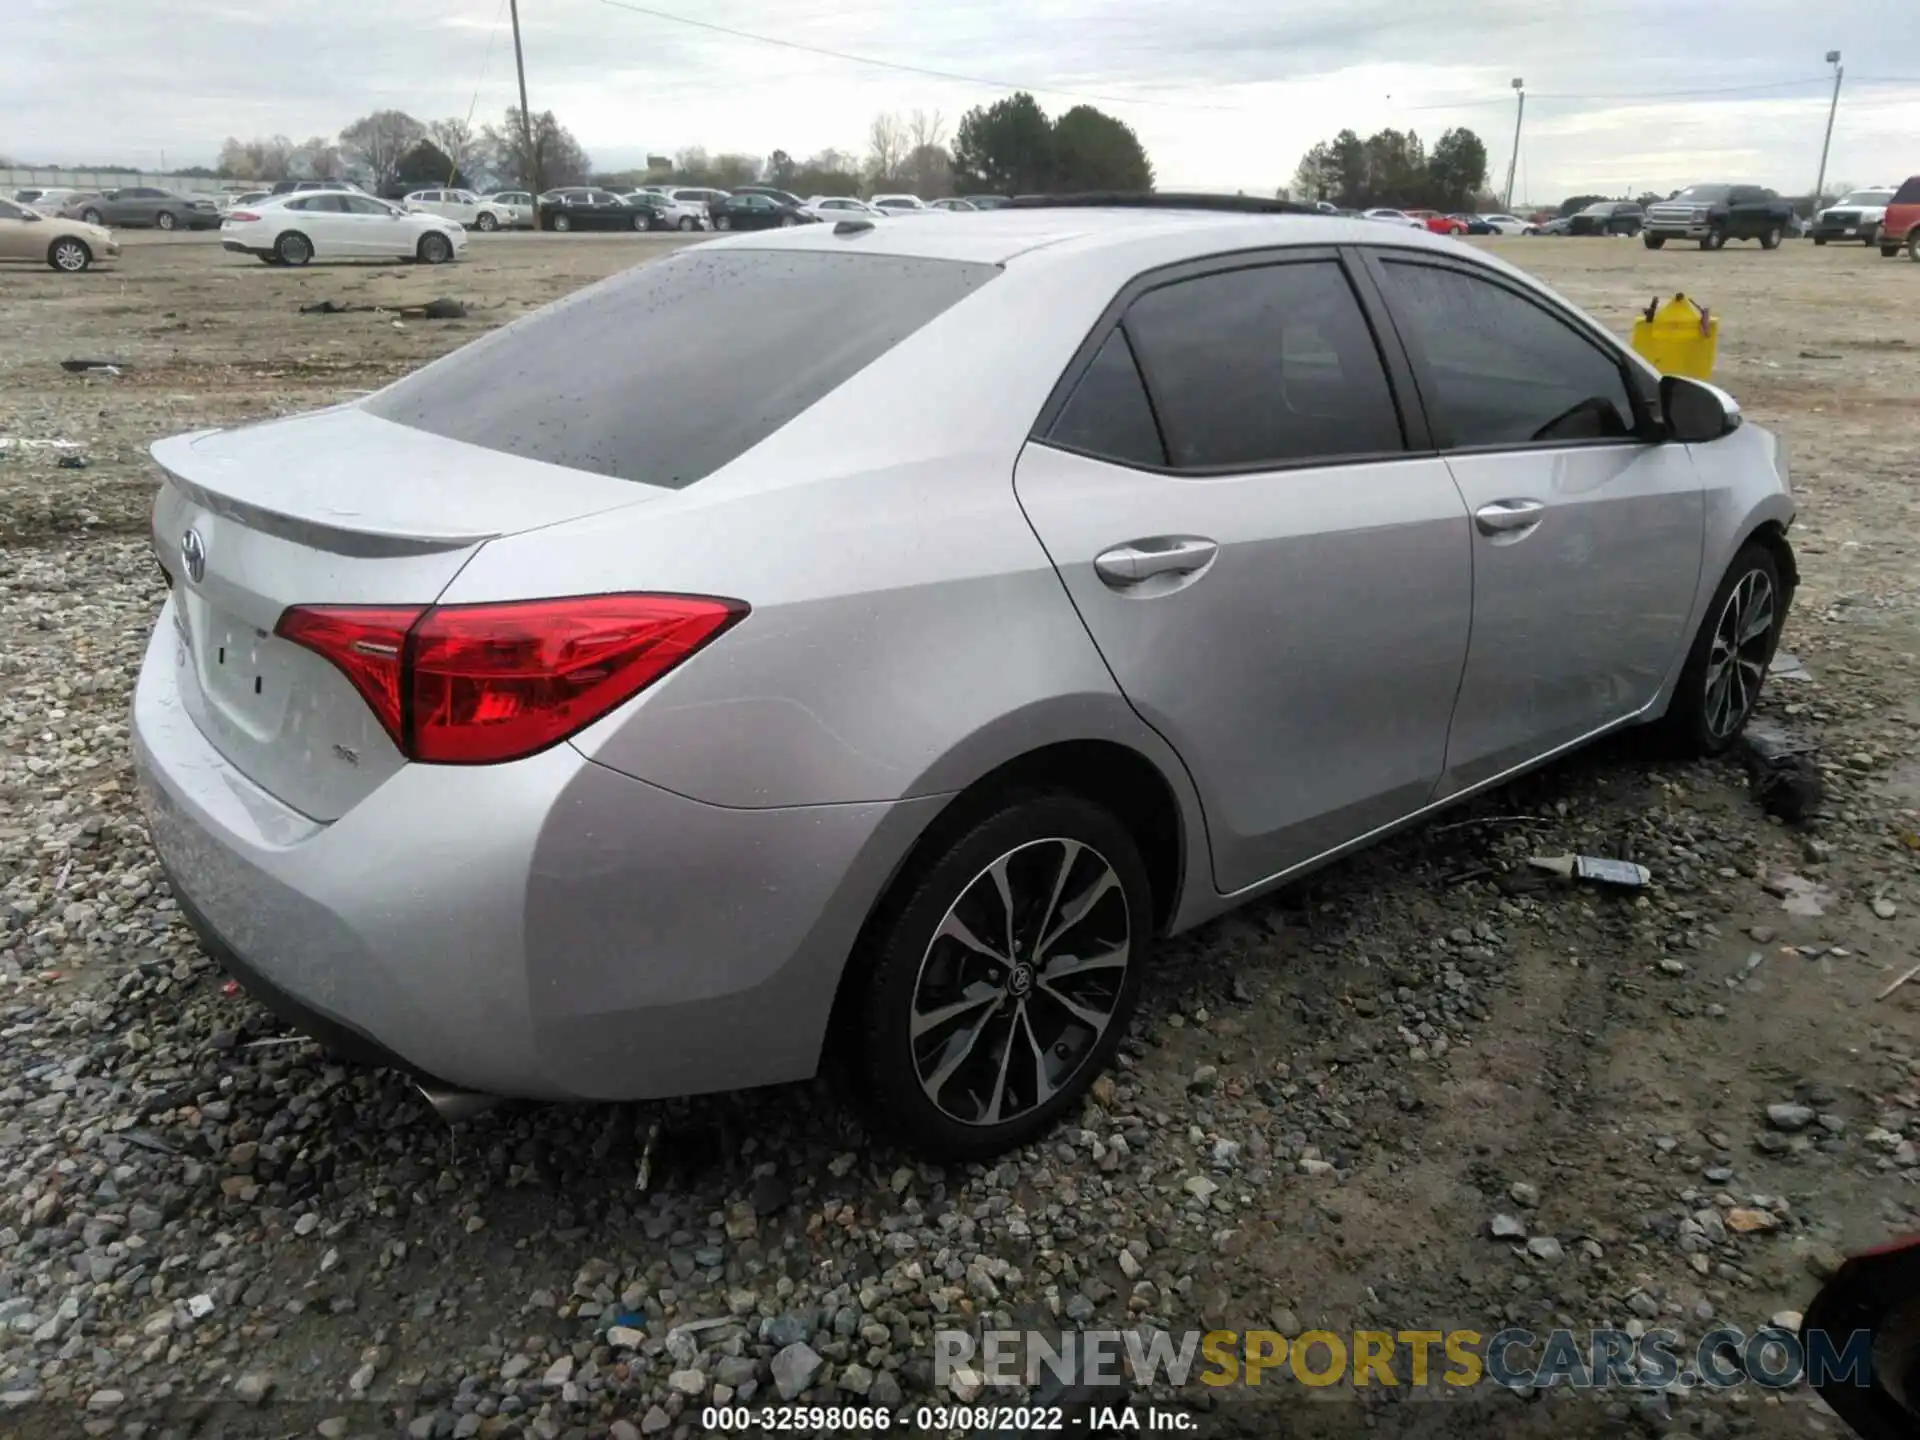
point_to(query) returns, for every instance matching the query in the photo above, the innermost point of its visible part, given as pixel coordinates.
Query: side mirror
(1864, 1328)
(1696, 411)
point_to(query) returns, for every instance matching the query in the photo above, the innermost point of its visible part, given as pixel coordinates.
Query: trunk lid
(334, 508)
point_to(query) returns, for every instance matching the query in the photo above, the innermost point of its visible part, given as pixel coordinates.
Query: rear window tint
(665, 373)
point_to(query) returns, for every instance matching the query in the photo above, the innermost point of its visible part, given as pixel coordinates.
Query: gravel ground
(1674, 1108)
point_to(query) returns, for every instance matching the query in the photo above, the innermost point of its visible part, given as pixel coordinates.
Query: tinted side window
(1108, 413)
(1261, 366)
(1909, 193)
(1502, 370)
(668, 371)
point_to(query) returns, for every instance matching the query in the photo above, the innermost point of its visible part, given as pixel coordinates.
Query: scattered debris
(1749, 1222)
(1592, 867)
(112, 367)
(1798, 895)
(441, 309)
(71, 462)
(1903, 979)
(1781, 770)
(1788, 667)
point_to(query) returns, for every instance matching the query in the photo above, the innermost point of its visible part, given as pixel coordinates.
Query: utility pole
(526, 119)
(1520, 90)
(1833, 59)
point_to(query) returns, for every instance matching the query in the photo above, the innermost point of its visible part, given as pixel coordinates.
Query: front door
(1587, 529)
(1279, 587)
(21, 238)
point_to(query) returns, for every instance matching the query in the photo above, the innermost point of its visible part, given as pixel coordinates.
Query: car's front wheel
(487, 222)
(1913, 244)
(435, 248)
(1771, 239)
(1654, 242)
(687, 222)
(563, 222)
(1727, 665)
(1000, 974)
(69, 254)
(725, 222)
(165, 220)
(90, 215)
(642, 222)
(1714, 240)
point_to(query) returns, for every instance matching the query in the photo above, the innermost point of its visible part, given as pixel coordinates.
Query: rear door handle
(1504, 517)
(1139, 560)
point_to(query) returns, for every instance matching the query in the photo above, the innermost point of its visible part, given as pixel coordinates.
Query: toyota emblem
(193, 554)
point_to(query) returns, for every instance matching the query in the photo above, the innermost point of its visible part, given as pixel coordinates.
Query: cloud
(1225, 93)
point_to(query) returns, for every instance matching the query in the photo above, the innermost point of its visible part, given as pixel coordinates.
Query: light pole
(1520, 90)
(526, 120)
(1833, 59)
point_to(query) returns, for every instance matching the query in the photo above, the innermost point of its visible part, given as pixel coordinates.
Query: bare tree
(380, 141)
(561, 160)
(456, 139)
(886, 148)
(265, 157)
(321, 158)
(926, 129)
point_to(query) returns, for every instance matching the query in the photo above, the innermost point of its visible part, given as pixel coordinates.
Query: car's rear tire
(69, 255)
(1771, 239)
(961, 1053)
(1653, 242)
(786, 220)
(486, 222)
(687, 222)
(1913, 244)
(1821, 240)
(1727, 665)
(293, 248)
(434, 248)
(165, 220)
(90, 215)
(563, 222)
(725, 222)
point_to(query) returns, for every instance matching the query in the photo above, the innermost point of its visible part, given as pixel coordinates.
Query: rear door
(1587, 529)
(1279, 581)
(20, 238)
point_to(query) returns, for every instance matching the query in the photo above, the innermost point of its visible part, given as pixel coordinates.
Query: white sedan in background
(900, 204)
(842, 207)
(340, 225)
(519, 201)
(468, 208)
(681, 214)
(1388, 216)
(1508, 224)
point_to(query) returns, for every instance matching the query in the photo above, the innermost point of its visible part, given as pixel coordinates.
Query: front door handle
(1139, 560)
(1503, 517)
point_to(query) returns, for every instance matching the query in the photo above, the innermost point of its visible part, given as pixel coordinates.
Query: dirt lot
(1329, 1097)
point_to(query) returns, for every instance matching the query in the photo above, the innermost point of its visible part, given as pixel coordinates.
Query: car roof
(997, 237)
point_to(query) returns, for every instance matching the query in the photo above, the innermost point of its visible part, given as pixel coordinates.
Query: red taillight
(478, 684)
(242, 215)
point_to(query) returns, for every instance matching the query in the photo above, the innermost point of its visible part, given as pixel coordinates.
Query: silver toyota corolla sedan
(868, 638)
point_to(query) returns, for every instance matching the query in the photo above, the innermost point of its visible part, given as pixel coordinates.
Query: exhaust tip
(454, 1106)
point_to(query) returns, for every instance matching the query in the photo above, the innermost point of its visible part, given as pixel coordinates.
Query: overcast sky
(1224, 93)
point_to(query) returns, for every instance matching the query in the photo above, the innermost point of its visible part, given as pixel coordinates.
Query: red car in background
(1900, 226)
(1439, 224)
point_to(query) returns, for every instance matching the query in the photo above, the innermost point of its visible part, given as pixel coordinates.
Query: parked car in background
(1438, 224)
(1478, 225)
(987, 202)
(574, 718)
(297, 187)
(842, 207)
(1504, 224)
(143, 205)
(466, 207)
(1608, 217)
(231, 202)
(1387, 215)
(696, 195)
(587, 207)
(758, 212)
(1854, 216)
(520, 201)
(785, 197)
(69, 246)
(953, 205)
(1900, 226)
(1558, 225)
(672, 214)
(1716, 213)
(53, 200)
(340, 225)
(899, 204)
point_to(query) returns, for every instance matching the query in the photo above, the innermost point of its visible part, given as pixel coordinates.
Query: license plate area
(246, 674)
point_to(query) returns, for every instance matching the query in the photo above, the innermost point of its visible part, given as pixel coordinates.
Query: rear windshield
(666, 372)
(1909, 193)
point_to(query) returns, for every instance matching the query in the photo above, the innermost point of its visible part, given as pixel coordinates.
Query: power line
(833, 54)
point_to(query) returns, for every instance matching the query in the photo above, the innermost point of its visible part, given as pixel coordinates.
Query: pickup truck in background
(1715, 214)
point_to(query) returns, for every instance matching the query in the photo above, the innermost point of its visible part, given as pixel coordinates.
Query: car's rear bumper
(549, 928)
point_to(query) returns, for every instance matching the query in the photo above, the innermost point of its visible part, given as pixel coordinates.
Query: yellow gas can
(1678, 338)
